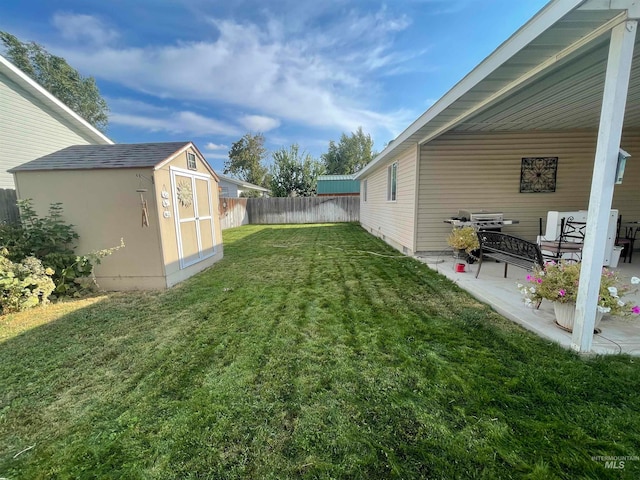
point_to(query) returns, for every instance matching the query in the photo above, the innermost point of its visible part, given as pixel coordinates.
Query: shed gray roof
(120, 155)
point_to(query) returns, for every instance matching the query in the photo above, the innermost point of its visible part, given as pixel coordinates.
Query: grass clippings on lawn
(302, 355)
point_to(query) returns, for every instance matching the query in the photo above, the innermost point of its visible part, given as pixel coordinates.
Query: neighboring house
(232, 187)
(34, 123)
(161, 198)
(337, 185)
(556, 90)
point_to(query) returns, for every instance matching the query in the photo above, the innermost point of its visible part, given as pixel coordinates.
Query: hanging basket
(565, 315)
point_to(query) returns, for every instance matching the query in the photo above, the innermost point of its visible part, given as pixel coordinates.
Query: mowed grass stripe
(310, 351)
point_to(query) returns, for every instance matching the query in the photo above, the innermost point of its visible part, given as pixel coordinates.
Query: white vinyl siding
(29, 130)
(392, 220)
(229, 189)
(482, 171)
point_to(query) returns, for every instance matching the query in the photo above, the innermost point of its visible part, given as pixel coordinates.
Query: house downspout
(614, 101)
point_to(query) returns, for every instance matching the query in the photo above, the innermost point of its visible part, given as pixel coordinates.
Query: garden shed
(161, 198)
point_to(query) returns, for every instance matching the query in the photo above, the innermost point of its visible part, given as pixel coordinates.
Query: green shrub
(23, 285)
(76, 274)
(36, 236)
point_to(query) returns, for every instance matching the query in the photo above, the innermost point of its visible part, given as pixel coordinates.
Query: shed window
(191, 161)
(392, 182)
(364, 190)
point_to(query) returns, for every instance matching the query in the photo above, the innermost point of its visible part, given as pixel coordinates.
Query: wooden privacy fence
(235, 212)
(8, 209)
(303, 210)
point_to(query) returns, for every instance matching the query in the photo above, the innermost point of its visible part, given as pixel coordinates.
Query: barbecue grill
(481, 218)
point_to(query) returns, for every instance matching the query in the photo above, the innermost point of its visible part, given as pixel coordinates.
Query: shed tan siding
(482, 171)
(29, 130)
(392, 221)
(105, 207)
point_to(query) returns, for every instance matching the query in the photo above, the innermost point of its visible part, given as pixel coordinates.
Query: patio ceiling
(568, 96)
(548, 76)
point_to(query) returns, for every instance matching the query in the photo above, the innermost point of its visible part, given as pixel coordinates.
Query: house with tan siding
(565, 87)
(34, 123)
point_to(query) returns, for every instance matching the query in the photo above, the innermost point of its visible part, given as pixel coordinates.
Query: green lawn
(308, 352)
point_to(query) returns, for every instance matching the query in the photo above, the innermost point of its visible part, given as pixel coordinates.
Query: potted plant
(464, 239)
(558, 283)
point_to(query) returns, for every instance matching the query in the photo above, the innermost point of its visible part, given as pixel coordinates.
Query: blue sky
(298, 71)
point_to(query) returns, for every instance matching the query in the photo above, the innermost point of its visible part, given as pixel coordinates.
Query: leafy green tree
(294, 173)
(246, 159)
(79, 93)
(349, 155)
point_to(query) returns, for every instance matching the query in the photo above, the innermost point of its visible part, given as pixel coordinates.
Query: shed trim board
(180, 152)
(546, 78)
(196, 219)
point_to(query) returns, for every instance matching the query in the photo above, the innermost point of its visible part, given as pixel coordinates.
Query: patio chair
(626, 242)
(569, 244)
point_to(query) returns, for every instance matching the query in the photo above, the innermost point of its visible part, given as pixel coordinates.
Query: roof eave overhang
(35, 89)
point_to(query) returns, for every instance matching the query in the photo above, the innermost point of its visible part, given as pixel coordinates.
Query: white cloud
(259, 123)
(217, 156)
(79, 27)
(215, 146)
(185, 122)
(319, 77)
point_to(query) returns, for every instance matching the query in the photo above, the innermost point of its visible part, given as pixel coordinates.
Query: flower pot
(460, 267)
(565, 314)
(459, 254)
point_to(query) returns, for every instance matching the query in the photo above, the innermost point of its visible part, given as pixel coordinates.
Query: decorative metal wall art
(184, 193)
(538, 174)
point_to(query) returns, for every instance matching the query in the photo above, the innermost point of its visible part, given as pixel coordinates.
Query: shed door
(194, 216)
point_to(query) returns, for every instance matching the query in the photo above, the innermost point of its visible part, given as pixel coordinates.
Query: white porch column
(610, 130)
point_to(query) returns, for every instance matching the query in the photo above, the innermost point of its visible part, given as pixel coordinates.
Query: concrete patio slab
(618, 335)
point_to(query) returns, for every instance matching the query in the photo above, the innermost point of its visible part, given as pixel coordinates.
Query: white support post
(609, 133)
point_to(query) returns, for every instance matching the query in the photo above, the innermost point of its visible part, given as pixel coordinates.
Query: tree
(294, 173)
(79, 93)
(350, 155)
(245, 159)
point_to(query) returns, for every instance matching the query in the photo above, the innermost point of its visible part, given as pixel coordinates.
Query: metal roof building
(336, 185)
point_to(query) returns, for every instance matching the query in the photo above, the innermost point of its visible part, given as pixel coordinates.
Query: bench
(508, 249)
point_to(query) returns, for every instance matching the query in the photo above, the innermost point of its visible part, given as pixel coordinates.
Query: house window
(392, 182)
(191, 161)
(364, 190)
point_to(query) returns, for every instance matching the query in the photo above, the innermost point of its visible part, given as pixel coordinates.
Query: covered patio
(618, 335)
(572, 71)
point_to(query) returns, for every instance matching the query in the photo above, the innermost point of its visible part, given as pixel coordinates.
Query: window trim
(191, 157)
(392, 182)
